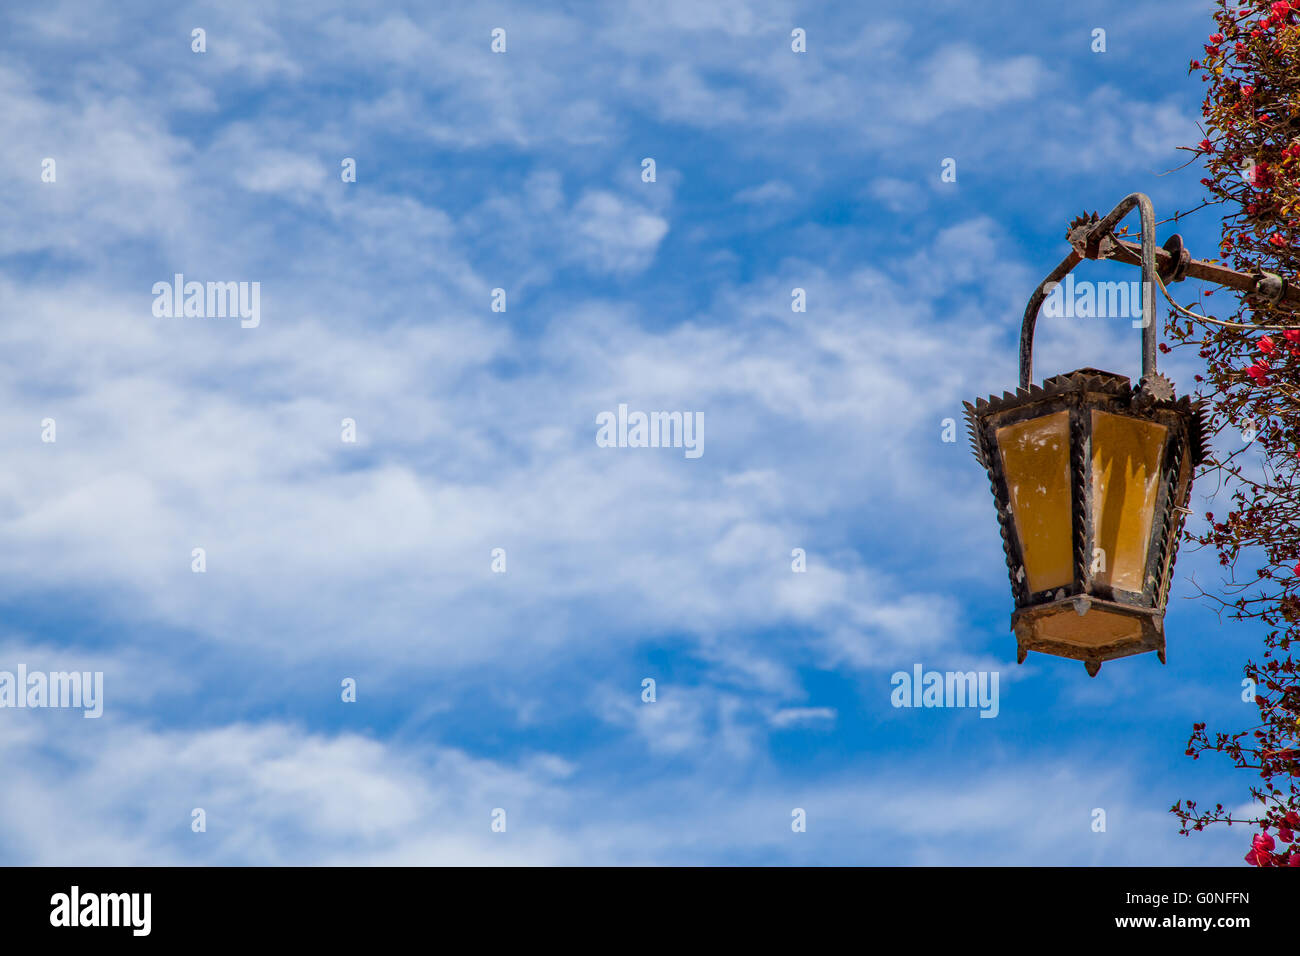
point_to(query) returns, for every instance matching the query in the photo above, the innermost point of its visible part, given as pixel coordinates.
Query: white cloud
(796, 716)
(772, 191)
(120, 794)
(614, 234)
(898, 195)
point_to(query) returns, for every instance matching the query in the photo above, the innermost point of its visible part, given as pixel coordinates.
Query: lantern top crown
(1152, 393)
(1090, 373)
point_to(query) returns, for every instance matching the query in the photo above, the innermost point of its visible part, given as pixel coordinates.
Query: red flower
(1266, 345)
(1291, 335)
(1284, 834)
(1261, 850)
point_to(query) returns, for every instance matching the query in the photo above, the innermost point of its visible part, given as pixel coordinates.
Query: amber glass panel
(1036, 461)
(1126, 456)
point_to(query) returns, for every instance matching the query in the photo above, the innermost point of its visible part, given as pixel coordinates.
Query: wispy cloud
(475, 430)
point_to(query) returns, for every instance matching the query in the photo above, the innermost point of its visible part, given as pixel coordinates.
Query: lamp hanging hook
(1093, 241)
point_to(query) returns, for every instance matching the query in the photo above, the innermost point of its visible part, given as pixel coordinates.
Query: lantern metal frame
(1081, 394)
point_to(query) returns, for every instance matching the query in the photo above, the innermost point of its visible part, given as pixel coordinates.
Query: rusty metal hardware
(1091, 237)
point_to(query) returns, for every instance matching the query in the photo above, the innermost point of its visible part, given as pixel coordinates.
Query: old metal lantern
(1091, 477)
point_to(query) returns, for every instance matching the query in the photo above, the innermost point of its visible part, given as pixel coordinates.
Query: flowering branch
(1252, 384)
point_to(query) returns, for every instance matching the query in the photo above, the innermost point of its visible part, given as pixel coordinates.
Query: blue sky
(476, 430)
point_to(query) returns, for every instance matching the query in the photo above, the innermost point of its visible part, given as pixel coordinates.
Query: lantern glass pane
(1126, 454)
(1036, 461)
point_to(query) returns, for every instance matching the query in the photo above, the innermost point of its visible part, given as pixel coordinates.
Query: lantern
(1091, 477)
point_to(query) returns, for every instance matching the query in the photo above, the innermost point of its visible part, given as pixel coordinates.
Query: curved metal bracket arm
(1095, 235)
